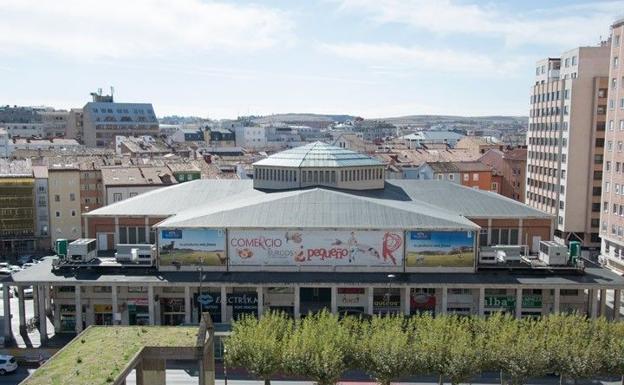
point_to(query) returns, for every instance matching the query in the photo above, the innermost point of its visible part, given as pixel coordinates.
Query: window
(475, 176)
(72, 197)
(73, 213)
(117, 197)
(494, 186)
(57, 214)
(616, 62)
(466, 177)
(574, 60)
(57, 198)
(133, 194)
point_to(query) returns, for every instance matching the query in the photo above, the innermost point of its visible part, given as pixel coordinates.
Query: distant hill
(302, 117)
(416, 119)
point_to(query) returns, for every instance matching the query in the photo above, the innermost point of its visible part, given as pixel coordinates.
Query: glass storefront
(68, 318)
(172, 311)
(422, 300)
(351, 300)
(138, 311)
(387, 301)
(314, 299)
(103, 314)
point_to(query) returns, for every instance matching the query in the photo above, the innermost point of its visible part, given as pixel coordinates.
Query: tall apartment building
(64, 202)
(566, 141)
(103, 119)
(612, 220)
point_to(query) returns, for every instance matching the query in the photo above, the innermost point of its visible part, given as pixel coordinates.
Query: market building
(232, 247)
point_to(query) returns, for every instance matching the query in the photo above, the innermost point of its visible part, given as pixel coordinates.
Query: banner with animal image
(439, 249)
(315, 247)
(184, 247)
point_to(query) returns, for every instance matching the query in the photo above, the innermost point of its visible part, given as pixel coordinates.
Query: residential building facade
(103, 119)
(612, 219)
(566, 141)
(64, 202)
(17, 209)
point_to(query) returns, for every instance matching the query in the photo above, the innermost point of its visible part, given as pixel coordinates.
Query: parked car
(23, 259)
(8, 364)
(5, 271)
(15, 268)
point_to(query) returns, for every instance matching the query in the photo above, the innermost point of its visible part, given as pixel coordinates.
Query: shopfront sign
(103, 308)
(190, 247)
(351, 297)
(422, 302)
(387, 303)
(439, 249)
(315, 248)
(509, 301)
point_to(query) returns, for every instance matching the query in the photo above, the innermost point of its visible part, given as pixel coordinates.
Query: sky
(219, 59)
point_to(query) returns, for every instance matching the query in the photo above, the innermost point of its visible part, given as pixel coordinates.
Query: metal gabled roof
(320, 208)
(318, 154)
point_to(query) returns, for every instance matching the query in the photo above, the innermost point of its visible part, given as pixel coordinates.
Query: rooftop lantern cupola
(318, 164)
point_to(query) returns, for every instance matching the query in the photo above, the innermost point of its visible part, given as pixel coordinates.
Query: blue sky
(217, 59)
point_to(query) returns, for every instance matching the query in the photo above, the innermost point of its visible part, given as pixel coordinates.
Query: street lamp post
(224, 366)
(201, 279)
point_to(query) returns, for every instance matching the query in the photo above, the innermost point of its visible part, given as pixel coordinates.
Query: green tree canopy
(257, 344)
(320, 348)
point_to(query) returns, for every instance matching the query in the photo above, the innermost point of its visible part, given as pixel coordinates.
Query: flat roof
(594, 276)
(100, 354)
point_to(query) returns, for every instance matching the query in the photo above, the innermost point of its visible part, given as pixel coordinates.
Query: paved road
(32, 339)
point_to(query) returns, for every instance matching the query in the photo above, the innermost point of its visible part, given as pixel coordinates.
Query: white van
(7, 364)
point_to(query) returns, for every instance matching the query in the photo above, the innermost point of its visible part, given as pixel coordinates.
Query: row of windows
(275, 175)
(547, 171)
(499, 237)
(550, 96)
(542, 185)
(612, 124)
(618, 166)
(537, 141)
(619, 144)
(550, 126)
(318, 176)
(57, 197)
(612, 104)
(123, 110)
(541, 199)
(135, 235)
(541, 155)
(549, 111)
(617, 188)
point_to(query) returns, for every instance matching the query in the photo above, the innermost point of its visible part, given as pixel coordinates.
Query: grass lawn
(99, 354)
(446, 260)
(187, 257)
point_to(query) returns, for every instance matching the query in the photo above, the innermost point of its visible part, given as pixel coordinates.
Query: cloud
(116, 28)
(567, 26)
(386, 59)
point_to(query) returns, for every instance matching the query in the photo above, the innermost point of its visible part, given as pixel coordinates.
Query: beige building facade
(612, 220)
(64, 202)
(566, 141)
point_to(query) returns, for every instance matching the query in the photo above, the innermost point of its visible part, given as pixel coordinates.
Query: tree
(257, 344)
(384, 349)
(616, 350)
(576, 346)
(449, 346)
(518, 348)
(321, 348)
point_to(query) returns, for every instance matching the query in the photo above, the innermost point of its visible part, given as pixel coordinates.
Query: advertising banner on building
(183, 247)
(440, 249)
(315, 248)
